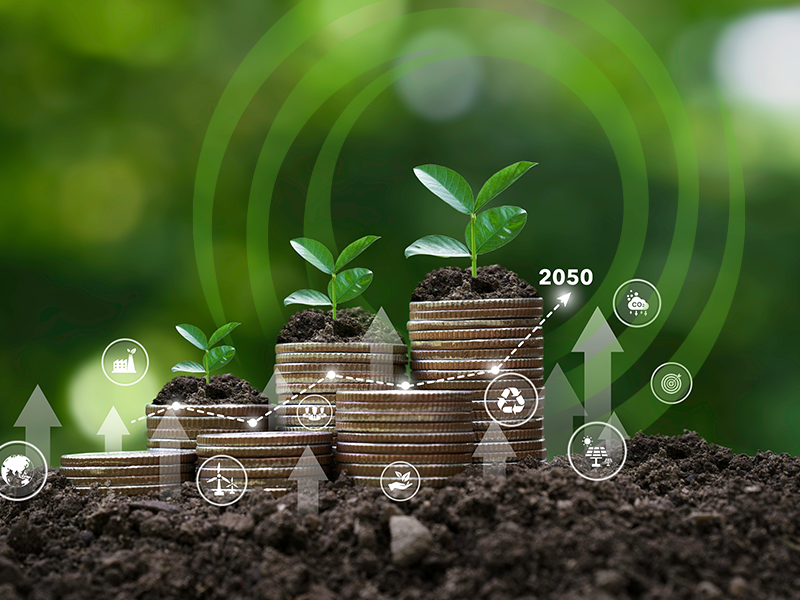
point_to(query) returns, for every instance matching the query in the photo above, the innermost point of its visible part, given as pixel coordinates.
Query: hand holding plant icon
(487, 231)
(214, 358)
(344, 285)
(404, 482)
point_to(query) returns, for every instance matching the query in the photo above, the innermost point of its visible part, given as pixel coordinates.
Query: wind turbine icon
(219, 478)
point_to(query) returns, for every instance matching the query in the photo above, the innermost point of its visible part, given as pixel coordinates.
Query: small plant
(486, 231)
(344, 285)
(214, 358)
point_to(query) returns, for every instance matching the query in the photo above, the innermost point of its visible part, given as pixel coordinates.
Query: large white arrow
(38, 418)
(113, 428)
(495, 450)
(308, 474)
(560, 408)
(597, 342)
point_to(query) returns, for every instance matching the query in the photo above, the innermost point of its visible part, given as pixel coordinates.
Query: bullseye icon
(671, 383)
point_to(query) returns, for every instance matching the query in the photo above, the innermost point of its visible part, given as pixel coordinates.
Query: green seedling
(487, 230)
(344, 285)
(214, 358)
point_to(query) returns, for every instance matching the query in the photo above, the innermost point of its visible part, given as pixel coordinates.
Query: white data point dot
(176, 405)
(331, 375)
(252, 422)
(495, 369)
(405, 385)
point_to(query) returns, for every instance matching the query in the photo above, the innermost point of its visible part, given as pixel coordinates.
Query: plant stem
(472, 245)
(333, 295)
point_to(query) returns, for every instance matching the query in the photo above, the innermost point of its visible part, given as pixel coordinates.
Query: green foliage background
(104, 107)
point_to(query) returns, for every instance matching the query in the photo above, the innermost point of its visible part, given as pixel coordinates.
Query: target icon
(671, 383)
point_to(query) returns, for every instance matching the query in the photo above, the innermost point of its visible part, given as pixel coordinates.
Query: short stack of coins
(307, 392)
(431, 430)
(455, 344)
(178, 425)
(129, 473)
(268, 457)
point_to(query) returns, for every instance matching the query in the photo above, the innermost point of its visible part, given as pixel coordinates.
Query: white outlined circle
(624, 447)
(219, 457)
(626, 284)
(670, 380)
(512, 423)
(303, 419)
(103, 361)
(44, 479)
(400, 464)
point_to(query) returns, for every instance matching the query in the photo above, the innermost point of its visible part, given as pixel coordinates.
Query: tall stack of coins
(431, 430)
(466, 344)
(129, 473)
(178, 426)
(269, 457)
(307, 392)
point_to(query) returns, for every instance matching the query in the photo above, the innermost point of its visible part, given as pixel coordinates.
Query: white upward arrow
(113, 428)
(38, 418)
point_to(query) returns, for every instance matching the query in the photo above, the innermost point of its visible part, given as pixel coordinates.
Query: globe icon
(17, 470)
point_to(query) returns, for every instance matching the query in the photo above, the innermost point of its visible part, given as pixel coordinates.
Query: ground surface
(452, 283)
(315, 325)
(682, 520)
(220, 389)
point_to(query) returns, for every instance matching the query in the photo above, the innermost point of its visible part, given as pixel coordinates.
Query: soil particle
(452, 283)
(543, 532)
(411, 540)
(221, 389)
(314, 325)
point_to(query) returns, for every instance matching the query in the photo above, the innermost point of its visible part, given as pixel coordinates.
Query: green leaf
(193, 335)
(315, 253)
(307, 297)
(218, 357)
(220, 333)
(500, 181)
(496, 227)
(448, 185)
(350, 284)
(354, 250)
(437, 245)
(188, 366)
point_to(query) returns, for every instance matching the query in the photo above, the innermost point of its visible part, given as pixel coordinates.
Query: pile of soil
(684, 519)
(221, 389)
(315, 325)
(452, 283)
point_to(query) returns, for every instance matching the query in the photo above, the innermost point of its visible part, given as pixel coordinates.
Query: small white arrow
(494, 449)
(113, 428)
(565, 298)
(308, 474)
(38, 418)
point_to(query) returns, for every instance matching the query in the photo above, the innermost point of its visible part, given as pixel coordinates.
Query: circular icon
(314, 412)
(511, 399)
(23, 469)
(122, 362)
(637, 303)
(221, 480)
(671, 383)
(400, 481)
(600, 453)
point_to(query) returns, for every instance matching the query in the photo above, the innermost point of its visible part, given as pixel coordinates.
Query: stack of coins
(178, 425)
(307, 391)
(129, 473)
(466, 344)
(268, 457)
(432, 430)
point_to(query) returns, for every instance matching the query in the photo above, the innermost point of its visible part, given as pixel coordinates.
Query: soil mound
(452, 283)
(221, 389)
(315, 325)
(683, 520)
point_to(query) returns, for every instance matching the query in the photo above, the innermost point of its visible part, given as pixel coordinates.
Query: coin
(124, 459)
(476, 384)
(282, 461)
(477, 344)
(423, 470)
(260, 451)
(453, 406)
(365, 358)
(212, 410)
(479, 313)
(487, 375)
(476, 365)
(474, 324)
(398, 448)
(401, 396)
(266, 472)
(403, 417)
(136, 471)
(489, 354)
(385, 459)
(130, 490)
(203, 422)
(516, 446)
(514, 434)
(171, 434)
(327, 386)
(535, 422)
(164, 444)
(360, 347)
(481, 304)
(470, 334)
(338, 367)
(431, 482)
(406, 438)
(402, 427)
(109, 480)
(264, 438)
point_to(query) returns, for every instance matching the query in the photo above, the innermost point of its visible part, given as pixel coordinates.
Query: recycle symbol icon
(511, 401)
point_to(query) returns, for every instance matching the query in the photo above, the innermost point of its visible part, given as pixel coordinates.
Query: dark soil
(683, 520)
(314, 325)
(221, 389)
(452, 283)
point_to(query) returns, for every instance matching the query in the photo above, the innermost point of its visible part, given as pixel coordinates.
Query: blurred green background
(105, 106)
